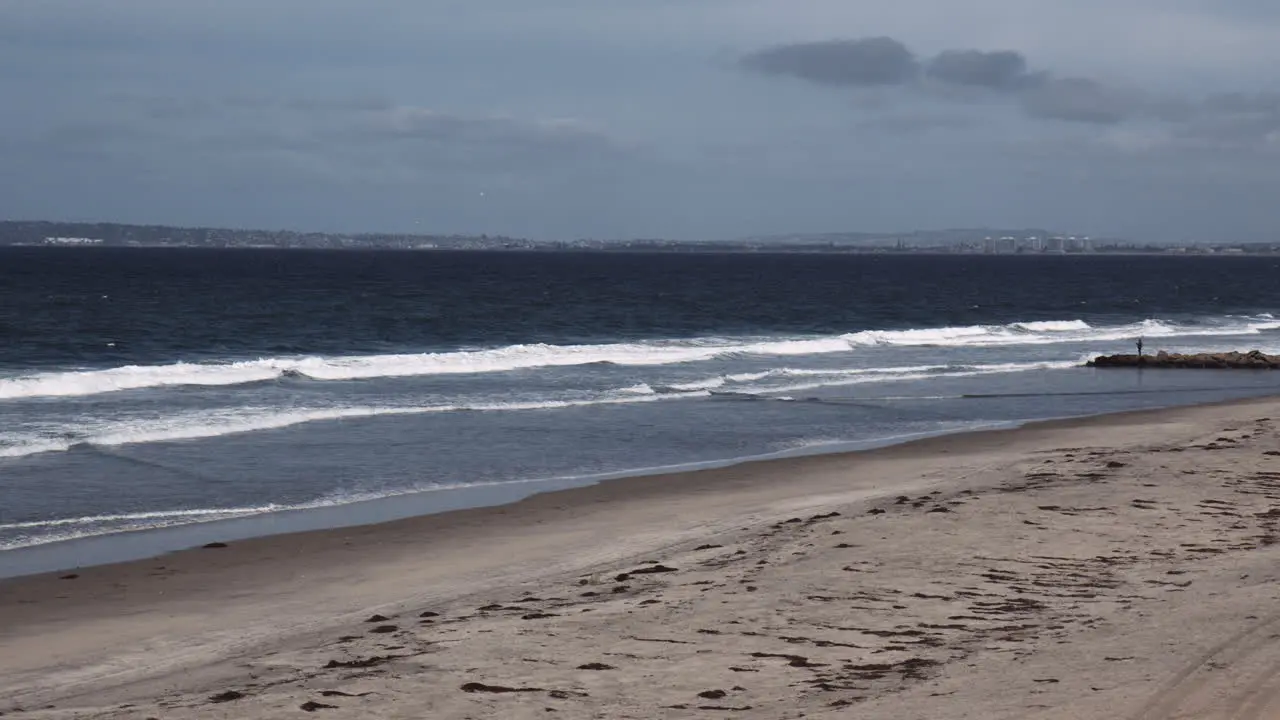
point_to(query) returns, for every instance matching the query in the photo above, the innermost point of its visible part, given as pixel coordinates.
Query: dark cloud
(1080, 100)
(1243, 103)
(1169, 109)
(1001, 70)
(867, 62)
(965, 74)
(1233, 121)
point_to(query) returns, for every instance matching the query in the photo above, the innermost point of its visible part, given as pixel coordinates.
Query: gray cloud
(492, 143)
(1244, 103)
(1080, 100)
(1001, 70)
(914, 125)
(964, 75)
(1233, 121)
(850, 134)
(1234, 125)
(330, 163)
(327, 139)
(166, 106)
(866, 62)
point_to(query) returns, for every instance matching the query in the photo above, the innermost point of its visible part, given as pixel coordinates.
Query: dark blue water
(153, 388)
(67, 306)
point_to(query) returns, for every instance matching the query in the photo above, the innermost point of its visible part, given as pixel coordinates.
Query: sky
(689, 119)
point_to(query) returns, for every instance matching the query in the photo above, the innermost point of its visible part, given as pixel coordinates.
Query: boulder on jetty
(1253, 360)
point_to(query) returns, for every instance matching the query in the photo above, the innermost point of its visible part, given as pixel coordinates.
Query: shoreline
(140, 544)
(163, 635)
(148, 543)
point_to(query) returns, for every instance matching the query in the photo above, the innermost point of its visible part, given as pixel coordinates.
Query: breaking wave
(217, 423)
(645, 353)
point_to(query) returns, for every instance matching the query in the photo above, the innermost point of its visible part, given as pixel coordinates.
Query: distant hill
(914, 238)
(124, 235)
(121, 234)
(1000, 241)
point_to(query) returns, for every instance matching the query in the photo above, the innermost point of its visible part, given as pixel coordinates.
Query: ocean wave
(644, 353)
(1051, 326)
(30, 533)
(218, 423)
(42, 532)
(1059, 332)
(819, 377)
(693, 386)
(916, 373)
(211, 424)
(516, 357)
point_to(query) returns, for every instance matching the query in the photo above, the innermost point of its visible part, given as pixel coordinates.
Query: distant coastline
(982, 241)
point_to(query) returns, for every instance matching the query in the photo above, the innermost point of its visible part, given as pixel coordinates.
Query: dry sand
(1117, 567)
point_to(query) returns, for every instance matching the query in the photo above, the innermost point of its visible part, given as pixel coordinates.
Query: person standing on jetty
(1139, 347)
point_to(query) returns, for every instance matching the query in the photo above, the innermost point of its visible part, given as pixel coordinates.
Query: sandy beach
(1116, 567)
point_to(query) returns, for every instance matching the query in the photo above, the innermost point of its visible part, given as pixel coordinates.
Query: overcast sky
(1152, 119)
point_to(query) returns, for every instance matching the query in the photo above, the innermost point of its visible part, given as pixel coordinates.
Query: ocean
(156, 398)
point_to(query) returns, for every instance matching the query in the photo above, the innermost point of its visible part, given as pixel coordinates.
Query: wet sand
(1125, 566)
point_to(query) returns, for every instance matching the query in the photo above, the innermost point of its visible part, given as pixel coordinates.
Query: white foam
(1049, 326)
(219, 423)
(1056, 332)
(930, 336)
(866, 375)
(900, 370)
(707, 384)
(132, 377)
(648, 353)
(17, 446)
(63, 529)
(1264, 325)
(748, 377)
(154, 515)
(917, 373)
(54, 530)
(516, 357)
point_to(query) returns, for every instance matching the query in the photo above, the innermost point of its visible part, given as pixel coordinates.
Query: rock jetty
(1253, 360)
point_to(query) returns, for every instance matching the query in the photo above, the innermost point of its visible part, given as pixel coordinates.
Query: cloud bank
(1040, 94)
